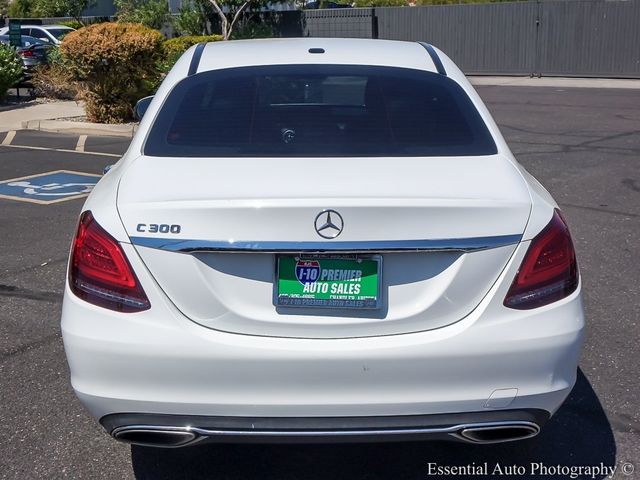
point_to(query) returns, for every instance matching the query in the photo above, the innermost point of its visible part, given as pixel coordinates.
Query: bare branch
(244, 6)
(223, 18)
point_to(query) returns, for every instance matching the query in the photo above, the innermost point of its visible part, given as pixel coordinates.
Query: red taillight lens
(99, 272)
(549, 270)
(27, 53)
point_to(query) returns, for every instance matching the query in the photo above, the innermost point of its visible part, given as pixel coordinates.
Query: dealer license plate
(328, 282)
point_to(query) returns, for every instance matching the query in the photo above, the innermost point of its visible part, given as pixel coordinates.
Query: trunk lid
(272, 203)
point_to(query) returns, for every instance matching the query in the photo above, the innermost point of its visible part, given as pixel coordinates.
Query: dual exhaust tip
(173, 437)
(499, 433)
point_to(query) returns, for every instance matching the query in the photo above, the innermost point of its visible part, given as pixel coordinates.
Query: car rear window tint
(318, 110)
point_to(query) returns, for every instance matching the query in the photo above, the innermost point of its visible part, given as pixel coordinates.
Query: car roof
(280, 51)
(44, 27)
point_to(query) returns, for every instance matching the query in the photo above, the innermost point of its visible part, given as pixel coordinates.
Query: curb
(81, 128)
(557, 82)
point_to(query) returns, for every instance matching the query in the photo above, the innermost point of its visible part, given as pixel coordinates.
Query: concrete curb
(81, 128)
(557, 82)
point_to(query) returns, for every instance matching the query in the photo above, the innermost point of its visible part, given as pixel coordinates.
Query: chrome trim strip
(442, 245)
(453, 430)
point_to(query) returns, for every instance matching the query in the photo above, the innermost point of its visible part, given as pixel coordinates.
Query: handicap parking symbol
(49, 187)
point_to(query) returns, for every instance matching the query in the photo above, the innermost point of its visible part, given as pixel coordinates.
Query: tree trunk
(227, 26)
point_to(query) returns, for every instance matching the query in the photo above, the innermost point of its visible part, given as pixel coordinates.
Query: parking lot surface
(582, 144)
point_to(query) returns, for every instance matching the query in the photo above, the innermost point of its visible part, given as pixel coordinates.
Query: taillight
(27, 53)
(99, 272)
(549, 270)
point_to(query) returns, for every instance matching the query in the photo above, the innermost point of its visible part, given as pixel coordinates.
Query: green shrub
(172, 50)
(179, 45)
(10, 69)
(115, 64)
(75, 24)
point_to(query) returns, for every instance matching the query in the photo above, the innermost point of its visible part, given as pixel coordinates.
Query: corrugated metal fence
(547, 37)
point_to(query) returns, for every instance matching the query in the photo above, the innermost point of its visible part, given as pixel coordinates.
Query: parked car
(32, 51)
(52, 34)
(320, 239)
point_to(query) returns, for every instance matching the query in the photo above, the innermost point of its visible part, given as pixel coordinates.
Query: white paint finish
(379, 198)
(444, 370)
(81, 141)
(501, 398)
(338, 51)
(234, 293)
(9, 137)
(182, 367)
(102, 201)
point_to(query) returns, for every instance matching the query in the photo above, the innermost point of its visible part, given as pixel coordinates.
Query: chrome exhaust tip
(497, 433)
(166, 437)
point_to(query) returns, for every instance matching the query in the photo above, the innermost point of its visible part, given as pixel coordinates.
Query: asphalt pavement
(582, 144)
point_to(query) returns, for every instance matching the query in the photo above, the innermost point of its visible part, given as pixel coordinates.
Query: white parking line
(80, 145)
(63, 150)
(9, 138)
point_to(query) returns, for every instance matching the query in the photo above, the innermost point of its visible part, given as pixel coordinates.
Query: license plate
(328, 282)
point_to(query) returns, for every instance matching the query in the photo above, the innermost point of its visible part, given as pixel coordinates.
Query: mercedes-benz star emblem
(329, 224)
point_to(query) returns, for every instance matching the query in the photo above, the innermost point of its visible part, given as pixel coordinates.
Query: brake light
(99, 271)
(27, 53)
(549, 271)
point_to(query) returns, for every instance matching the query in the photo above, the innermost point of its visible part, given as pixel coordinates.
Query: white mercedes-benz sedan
(320, 240)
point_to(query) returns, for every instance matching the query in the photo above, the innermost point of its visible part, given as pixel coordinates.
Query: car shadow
(579, 434)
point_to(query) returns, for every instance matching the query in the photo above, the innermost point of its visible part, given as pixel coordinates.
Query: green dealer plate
(328, 282)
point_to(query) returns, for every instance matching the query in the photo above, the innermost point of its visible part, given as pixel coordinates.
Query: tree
(4, 8)
(61, 8)
(21, 9)
(229, 12)
(380, 3)
(75, 8)
(194, 17)
(151, 13)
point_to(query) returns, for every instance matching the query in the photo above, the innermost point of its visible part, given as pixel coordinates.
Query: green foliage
(75, 24)
(179, 45)
(50, 8)
(252, 28)
(380, 3)
(76, 7)
(172, 50)
(10, 69)
(4, 8)
(151, 13)
(453, 2)
(116, 66)
(21, 9)
(229, 12)
(190, 22)
(61, 8)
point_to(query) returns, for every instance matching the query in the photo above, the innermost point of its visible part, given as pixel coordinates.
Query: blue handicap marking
(49, 187)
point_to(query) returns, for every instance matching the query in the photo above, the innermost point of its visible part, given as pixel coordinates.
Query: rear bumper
(183, 430)
(159, 362)
(172, 366)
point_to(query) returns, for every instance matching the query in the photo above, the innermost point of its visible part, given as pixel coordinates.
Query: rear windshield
(318, 110)
(59, 33)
